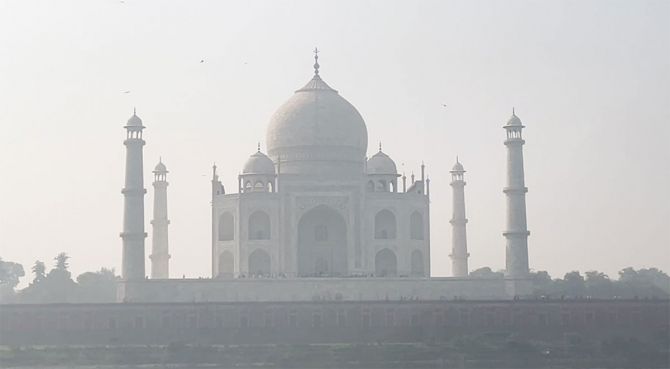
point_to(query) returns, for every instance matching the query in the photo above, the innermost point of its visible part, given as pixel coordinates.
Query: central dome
(317, 125)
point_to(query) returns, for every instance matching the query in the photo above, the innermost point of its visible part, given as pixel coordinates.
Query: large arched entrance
(322, 243)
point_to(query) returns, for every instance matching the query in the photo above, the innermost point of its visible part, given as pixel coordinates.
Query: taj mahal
(313, 218)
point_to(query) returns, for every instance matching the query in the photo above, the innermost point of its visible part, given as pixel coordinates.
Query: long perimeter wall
(316, 289)
(328, 321)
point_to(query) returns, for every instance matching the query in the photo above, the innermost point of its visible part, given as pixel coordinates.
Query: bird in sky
(444, 105)
(202, 61)
(126, 92)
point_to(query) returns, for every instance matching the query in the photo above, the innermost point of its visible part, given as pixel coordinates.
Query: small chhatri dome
(259, 163)
(160, 167)
(381, 163)
(458, 167)
(514, 120)
(134, 121)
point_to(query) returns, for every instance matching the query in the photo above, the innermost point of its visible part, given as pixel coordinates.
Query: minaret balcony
(134, 191)
(515, 141)
(515, 190)
(517, 233)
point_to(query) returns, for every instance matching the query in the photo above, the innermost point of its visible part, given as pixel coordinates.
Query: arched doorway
(226, 227)
(259, 226)
(322, 243)
(259, 263)
(385, 225)
(417, 269)
(386, 264)
(226, 265)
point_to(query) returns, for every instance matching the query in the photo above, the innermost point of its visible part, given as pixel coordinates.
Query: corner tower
(516, 255)
(133, 234)
(160, 256)
(459, 245)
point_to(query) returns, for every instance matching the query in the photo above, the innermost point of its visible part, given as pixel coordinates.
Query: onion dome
(160, 167)
(317, 128)
(458, 167)
(134, 121)
(380, 163)
(514, 121)
(259, 163)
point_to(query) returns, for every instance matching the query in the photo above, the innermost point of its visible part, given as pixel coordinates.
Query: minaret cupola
(259, 173)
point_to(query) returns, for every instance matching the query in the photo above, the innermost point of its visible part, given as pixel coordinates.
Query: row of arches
(260, 228)
(259, 186)
(386, 225)
(259, 264)
(381, 186)
(386, 264)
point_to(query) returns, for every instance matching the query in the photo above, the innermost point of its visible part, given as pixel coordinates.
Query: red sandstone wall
(313, 322)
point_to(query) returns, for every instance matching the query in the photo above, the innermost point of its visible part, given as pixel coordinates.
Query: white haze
(590, 79)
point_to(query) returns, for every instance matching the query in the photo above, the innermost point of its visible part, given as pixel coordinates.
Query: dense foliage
(57, 285)
(100, 286)
(641, 283)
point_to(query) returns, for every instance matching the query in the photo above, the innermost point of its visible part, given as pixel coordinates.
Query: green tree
(62, 261)
(573, 284)
(39, 270)
(97, 286)
(486, 272)
(642, 283)
(10, 273)
(598, 284)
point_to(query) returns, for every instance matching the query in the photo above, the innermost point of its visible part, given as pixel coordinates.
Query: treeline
(57, 285)
(631, 283)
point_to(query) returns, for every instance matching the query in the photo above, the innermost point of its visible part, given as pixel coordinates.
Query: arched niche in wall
(226, 227)
(259, 226)
(259, 263)
(385, 225)
(386, 264)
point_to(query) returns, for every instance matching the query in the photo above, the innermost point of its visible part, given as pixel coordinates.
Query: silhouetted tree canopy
(58, 286)
(39, 270)
(10, 273)
(486, 272)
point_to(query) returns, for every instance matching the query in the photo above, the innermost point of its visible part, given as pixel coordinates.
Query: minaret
(133, 234)
(160, 256)
(517, 231)
(459, 243)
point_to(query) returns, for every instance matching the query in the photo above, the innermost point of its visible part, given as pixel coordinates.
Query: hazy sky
(589, 79)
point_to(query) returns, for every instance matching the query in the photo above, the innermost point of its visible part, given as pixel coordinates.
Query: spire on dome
(316, 61)
(380, 146)
(259, 146)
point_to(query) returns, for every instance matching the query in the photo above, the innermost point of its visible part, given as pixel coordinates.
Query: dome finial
(259, 146)
(316, 61)
(513, 111)
(134, 110)
(380, 146)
